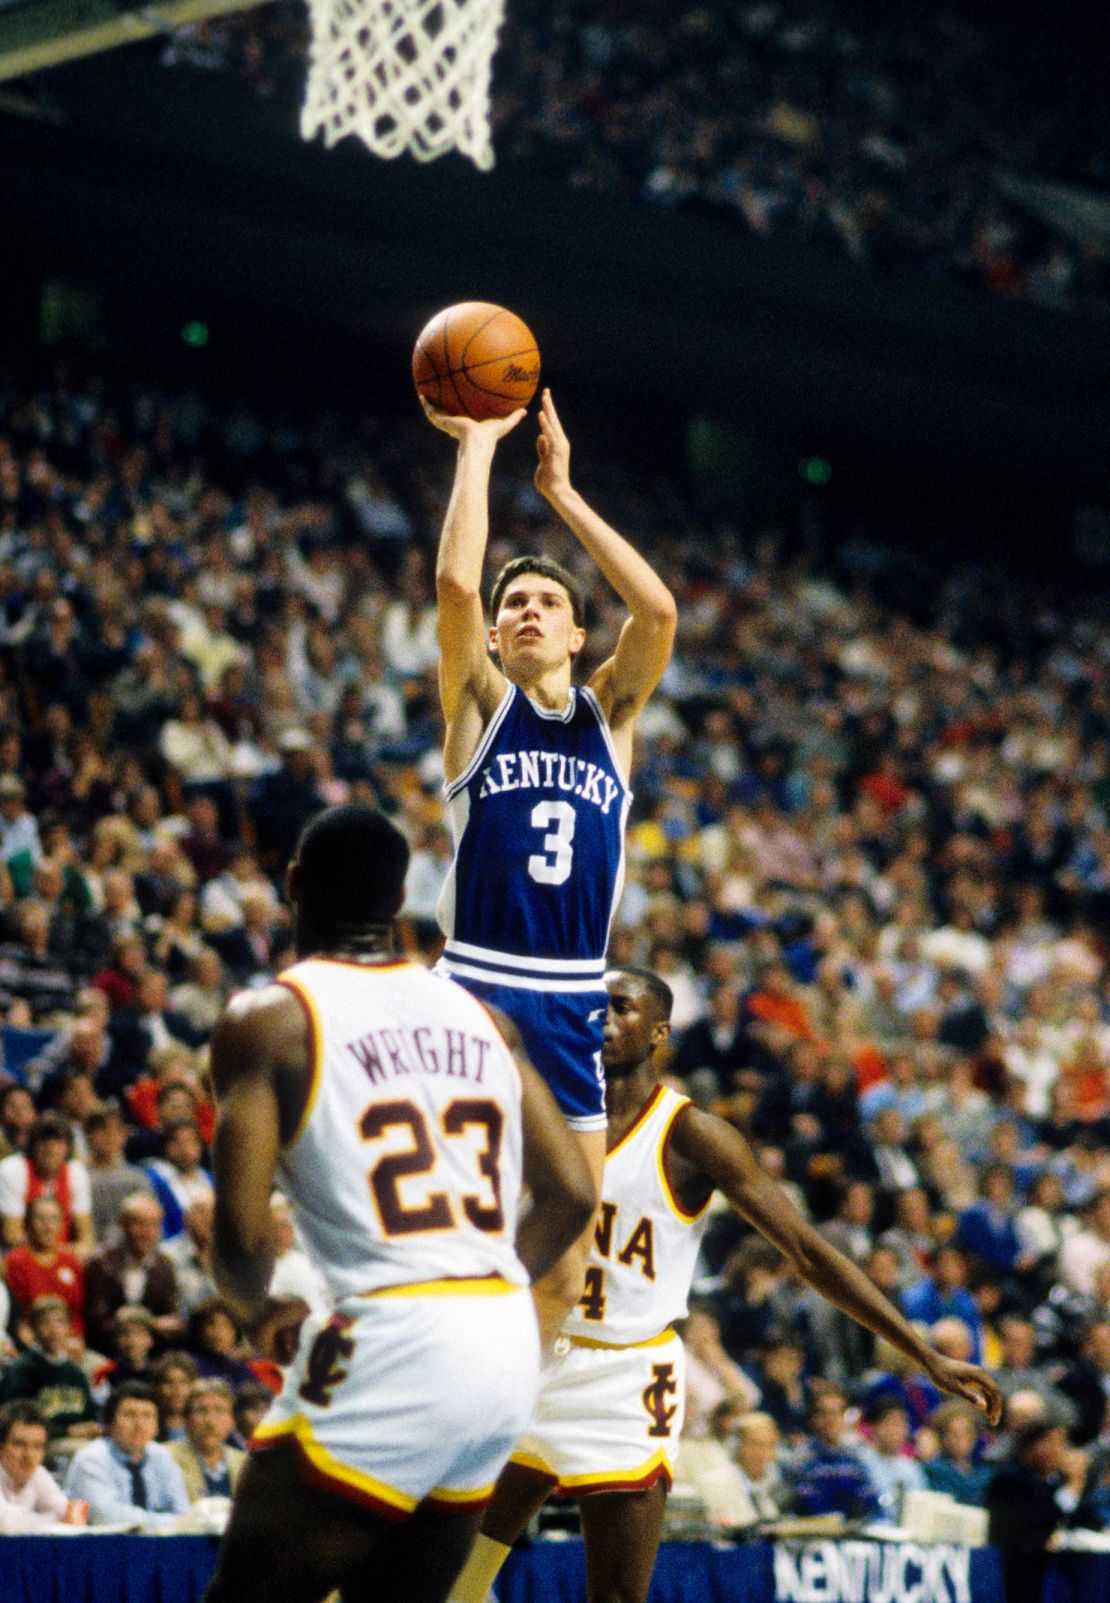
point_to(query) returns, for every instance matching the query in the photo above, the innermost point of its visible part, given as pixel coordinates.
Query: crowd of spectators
(874, 134)
(869, 851)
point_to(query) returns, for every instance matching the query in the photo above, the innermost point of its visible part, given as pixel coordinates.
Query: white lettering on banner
(872, 1572)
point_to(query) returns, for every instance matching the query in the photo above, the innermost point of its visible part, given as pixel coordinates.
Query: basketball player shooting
(537, 780)
(611, 1403)
(402, 1124)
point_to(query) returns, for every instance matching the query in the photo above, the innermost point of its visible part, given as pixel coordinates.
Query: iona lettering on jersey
(645, 1244)
(407, 1164)
(538, 821)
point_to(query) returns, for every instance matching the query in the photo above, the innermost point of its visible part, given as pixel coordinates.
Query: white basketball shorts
(607, 1419)
(411, 1395)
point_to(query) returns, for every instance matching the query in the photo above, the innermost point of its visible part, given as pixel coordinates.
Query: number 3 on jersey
(542, 868)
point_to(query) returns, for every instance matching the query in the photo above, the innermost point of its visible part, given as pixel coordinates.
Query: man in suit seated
(135, 1271)
(210, 1467)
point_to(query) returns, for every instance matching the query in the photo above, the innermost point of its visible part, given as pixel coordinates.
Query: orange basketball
(476, 360)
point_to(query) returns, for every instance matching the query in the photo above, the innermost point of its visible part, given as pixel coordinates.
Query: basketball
(476, 360)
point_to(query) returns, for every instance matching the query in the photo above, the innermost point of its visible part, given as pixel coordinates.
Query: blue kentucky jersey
(538, 820)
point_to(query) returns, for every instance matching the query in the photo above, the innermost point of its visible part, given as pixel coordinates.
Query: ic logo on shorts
(655, 1399)
(324, 1371)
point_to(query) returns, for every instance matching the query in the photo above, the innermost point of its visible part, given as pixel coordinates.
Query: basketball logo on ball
(476, 360)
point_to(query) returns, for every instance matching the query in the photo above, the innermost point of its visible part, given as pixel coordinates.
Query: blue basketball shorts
(563, 1033)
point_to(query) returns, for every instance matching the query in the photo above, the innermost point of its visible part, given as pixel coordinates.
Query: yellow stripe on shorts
(661, 1340)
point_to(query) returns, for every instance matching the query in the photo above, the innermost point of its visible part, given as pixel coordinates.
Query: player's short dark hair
(132, 1391)
(20, 1412)
(659, 991)
(351, 866)
(549, 570)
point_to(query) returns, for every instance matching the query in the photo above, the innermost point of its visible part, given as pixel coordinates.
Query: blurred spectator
(191, 1255)
(829, 1476)
(1028, 1498)
(133, 1340)
(200, 999)
(28, 969)
(42, 1267)
(850, 1230)
(1088, 1250)
(31, 1501)
(111, 1178)
(705, 1465)
(172, 1378)
(712, 1051)
(178, 1176)
(127, 1478)
(711, 1375)
(891, 1471)
(251, 1402)
(284, 801)
(46, 1170)
(1018, 1371)
(134, 1271)
(48, 1375)
(215, 1340)
(756, 1450)
(911, 1237)
(782, 1392)
(294, 1273)
(1086, 1380)
(988, 1229)
(954, 1470)
(943, 1293)
(210, 1467)
(1042, 1225)
(17, 1116)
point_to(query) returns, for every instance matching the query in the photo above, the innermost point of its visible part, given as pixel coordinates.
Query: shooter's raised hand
(491, 429)
(553, 450)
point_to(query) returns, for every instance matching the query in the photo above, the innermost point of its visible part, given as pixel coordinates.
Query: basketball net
(403, 75)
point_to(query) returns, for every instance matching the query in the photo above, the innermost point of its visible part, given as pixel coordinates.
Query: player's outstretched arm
(563, 1193)
(627, 680)
(468, 679)
(260, 1038)
(709, 1147)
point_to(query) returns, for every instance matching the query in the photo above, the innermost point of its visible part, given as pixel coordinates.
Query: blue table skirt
(149, 1569)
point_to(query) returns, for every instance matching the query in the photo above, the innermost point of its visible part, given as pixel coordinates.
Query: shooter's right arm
(469, 683)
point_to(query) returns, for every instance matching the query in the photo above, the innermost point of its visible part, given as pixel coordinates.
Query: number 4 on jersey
(592, 1300)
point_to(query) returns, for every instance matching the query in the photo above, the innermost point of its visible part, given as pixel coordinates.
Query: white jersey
(645, 1243)
(406, 1166)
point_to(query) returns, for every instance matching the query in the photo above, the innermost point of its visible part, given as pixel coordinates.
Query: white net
(403, 75)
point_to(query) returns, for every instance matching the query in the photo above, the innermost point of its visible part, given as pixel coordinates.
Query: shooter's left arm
(644, 648)
(717, 1151)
